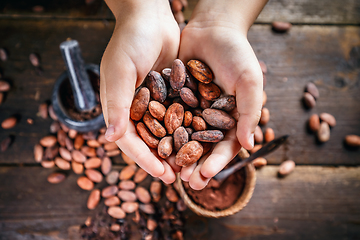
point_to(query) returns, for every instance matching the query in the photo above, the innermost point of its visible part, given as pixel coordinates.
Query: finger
(187, 171)
(135, 148)
(197, 181)
(171, 161)
(119, 77)
(249, 102)
(221, 155)
(168, 176)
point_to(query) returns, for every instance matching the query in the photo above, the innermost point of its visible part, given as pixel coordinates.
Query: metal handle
(83, 92)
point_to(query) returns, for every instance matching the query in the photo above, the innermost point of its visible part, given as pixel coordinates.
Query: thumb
(117, 85)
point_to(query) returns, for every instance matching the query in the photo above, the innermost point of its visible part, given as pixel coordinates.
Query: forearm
(240, 13)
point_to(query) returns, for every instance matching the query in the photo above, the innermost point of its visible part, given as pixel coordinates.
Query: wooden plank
(327, 56)
(311, 203)
(304, 11)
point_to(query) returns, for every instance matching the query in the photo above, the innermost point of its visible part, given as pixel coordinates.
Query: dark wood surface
(320, 200)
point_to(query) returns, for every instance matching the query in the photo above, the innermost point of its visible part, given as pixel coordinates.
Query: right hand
(146, 37)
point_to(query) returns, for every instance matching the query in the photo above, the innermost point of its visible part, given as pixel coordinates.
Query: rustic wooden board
(328, 56)
(311, 203)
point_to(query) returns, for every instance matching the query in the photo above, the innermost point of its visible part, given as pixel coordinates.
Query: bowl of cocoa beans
(181, 112)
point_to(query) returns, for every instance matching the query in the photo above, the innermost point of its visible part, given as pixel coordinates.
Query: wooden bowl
(250, 181)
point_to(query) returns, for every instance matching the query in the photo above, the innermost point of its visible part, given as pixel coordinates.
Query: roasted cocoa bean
(165, 73)
(72, 133)
(112, 201)
(258, 135)
(79, 141)
(47, 163)
(4, 86)
(94, 175)
(78, 168)
(78, 156)
(109, 191)
(309, 100)
(127, 185)
(265, 116)
(62, 163)
(93, 143)
(155, 190)
(112, 177)
(43, 110)
(352, 140)
(38, 152)
(93, 162)
(312, 89)
(259, 162)
(323, 134)
(106, 165)
(330, 119)
(64, 153)
(127, 196)
(279, 26)
(130, 207)
(56, 178)
(269, 135)
(61, 136)
(127, 172)
(140, 175)
(187, 118)
(147, 208)
(116, 212)
(171, 194)
(88, 151)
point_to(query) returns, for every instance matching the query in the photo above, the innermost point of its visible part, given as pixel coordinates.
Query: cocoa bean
(54, 127)
(151, 224)
(258, 135)
(72, 133)
(181, 206)
(113, 153)
(130, 207)
(64, 153)
(259, 162)
(187, 118)
(3, 54)
(157, 110)
(147, 208)
(189, 97)
(127, 185)
(109, 191)
(106, 165)
(112, 177)
(101, 139)
(286, 167)
(255, 148)
(226, 103)
(43, 110)
(140, 104)
(29, 121)
(314, 123)
(204, 103)
(115, 227)
(69, 144)
(61, 136)
(180, 138)
(265, 116)
(173, 93)
(88, 151)
(94, 175)
(264, 98)
(176, 6)
(140, 175)
(208, 136)
(269, 135)
(100, 152)
(323, 134)
(127, 196)
(191, 82)
(330, 119)
(209, 91)
(56, 178)
(64, 127)
(279, 26)
(218, 118)
(94, 199)
(165, 147)
(78, 156)
(52, 113)
(309, 100)
(200, 71)
(93, 143)
(93, 162)
(142, 194)
(156, 85)
(155, 190)
(38, 152)
(312, 89)
(78, 168)
(116, 212)
(352, 140)
(153, 125)
(165, 73)
(62, 163)
(89, 135)
(127, 172)
(34, 59)
(188, 154)
(51, 152)
(112, 201)
(171, 194)
(178, 74)
(150, 140)
(47, 163)
(79, 141)
(110, 146)
(9, 122)
(85, 183)
(4, 86)
(174, 116)
(189, 131)
(198, 123)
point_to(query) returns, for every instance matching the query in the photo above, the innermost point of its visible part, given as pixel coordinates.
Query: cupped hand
(146, 37)
(226, 50)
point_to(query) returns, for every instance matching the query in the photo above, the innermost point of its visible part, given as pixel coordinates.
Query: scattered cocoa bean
(352, 140)
(101, 139)
(314, 123)
(100, 152)
(112, 201)
(94, 175)
(265, 116)
(259, 162)
(94, 199)
(116, 212)
(200, 71)
(208, 136)
(279, 26)
(4, 86)
(47, 163)
(258, 135)
(255, 148)
(54, 127)
(218, 118)
(127, 184)
(65, 154)
(34, 59)
(269, 135)
(177, 74)
(9, 122)
(127, 172)
(171, 194)
(43, 110)
(209, 91)
(142, 194)
(109, 191)
(78, 168)
(93, 143)
(127, 196)
(286, 167)
(312, 89)
(62, 163)
(140, 175)
(323, 134)
(85, 183)
(106, 165)
(188, 154)
(79, 141)
(78, 156)
(93, 162)
(130, 207)
(226, 103)
(38, 152)
(112, 177)
(156, 85)
(155, 190)
(309, 100)
(51, 152)
(330, 119)
(56, 178)
(165, 147)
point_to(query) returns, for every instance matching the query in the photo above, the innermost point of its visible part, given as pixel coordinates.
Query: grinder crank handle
(83, 92)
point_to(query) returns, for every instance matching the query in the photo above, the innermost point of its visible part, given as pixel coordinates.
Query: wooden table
(320, 200)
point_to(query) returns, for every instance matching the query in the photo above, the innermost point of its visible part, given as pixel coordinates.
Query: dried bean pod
(156, 85)
(140, 104)
(200, 71)
(218, 118)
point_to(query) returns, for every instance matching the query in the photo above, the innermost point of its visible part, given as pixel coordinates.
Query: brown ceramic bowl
(250, 181)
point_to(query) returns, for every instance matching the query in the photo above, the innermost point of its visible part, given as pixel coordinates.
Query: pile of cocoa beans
(182, 111)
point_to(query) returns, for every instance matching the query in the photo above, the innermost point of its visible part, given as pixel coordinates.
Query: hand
(223, 46)
(145, 37)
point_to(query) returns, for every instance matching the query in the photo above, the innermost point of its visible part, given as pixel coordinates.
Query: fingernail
(251, 139)
(109, 132)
